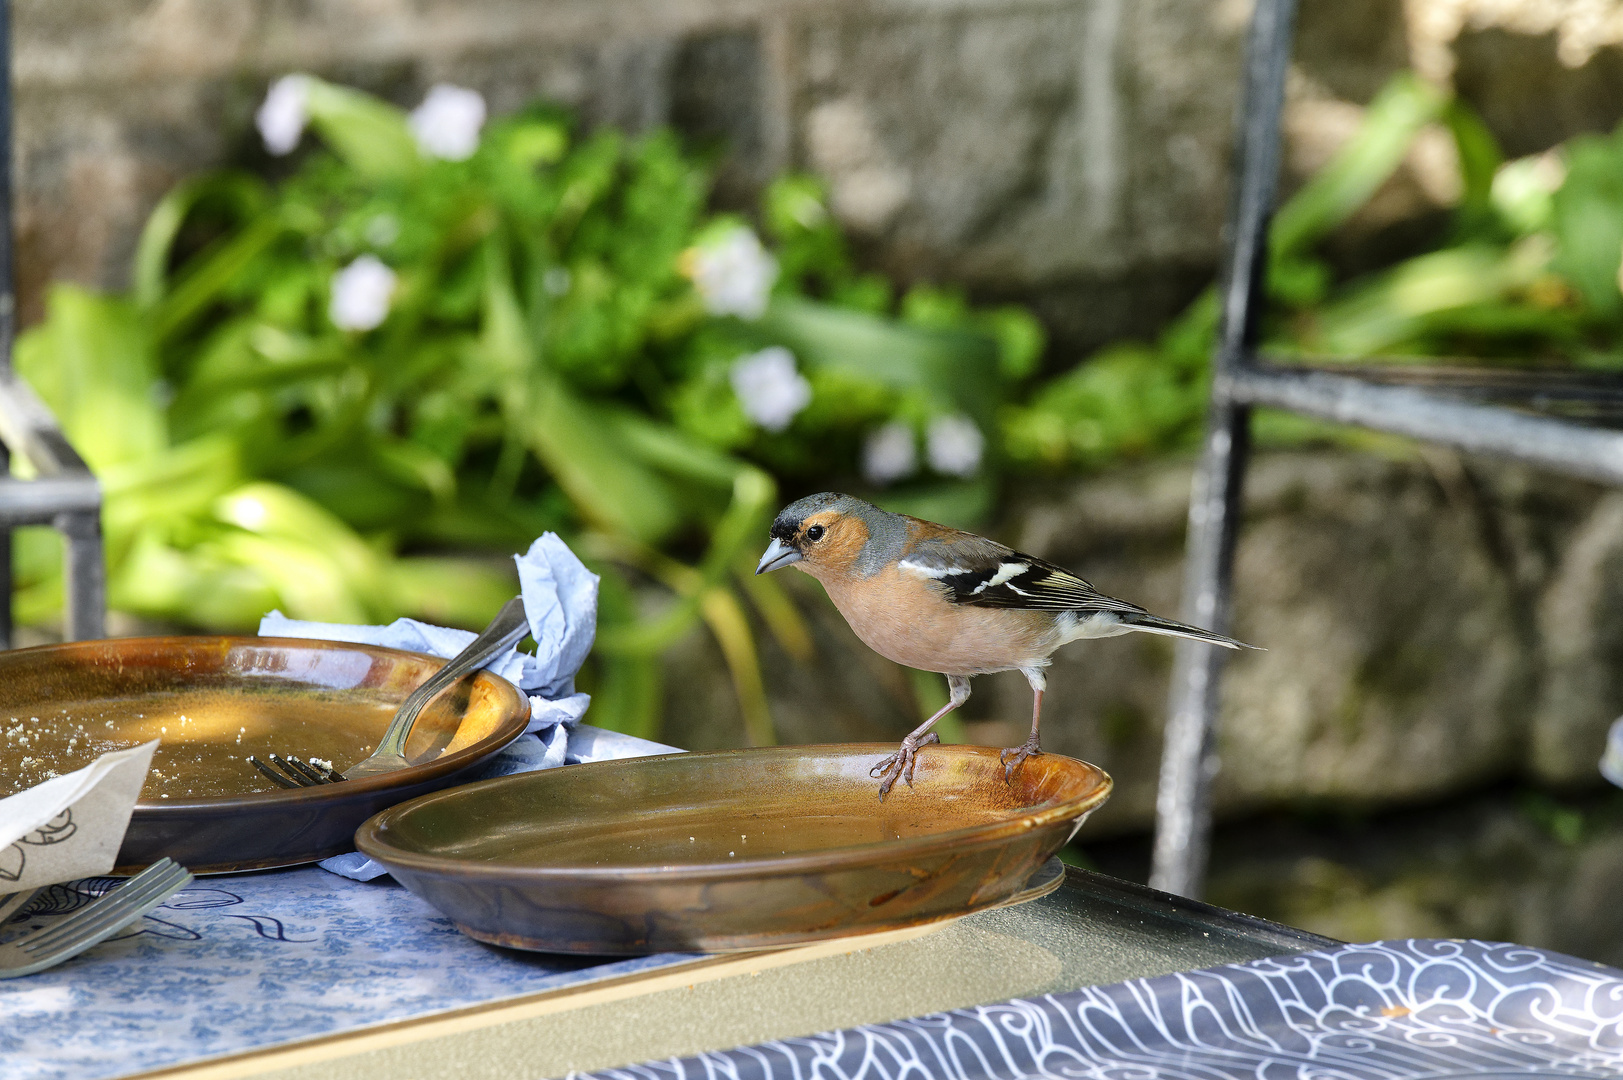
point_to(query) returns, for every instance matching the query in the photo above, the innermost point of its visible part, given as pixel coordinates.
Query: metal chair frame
(63, 493)
(1528, 417)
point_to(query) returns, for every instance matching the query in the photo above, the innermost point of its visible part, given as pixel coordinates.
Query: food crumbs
(1396, 1010)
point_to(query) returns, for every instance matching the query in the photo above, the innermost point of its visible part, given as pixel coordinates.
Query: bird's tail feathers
(1154, 624)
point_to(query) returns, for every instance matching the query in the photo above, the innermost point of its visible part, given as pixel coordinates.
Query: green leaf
(203, 282)
(247, 196)
(956, 369)
(1395, 307)
(197, 586)
(1588, 221)
(1480, 159)
(1405, 105)
(180, 483)
(91, 361)
(450, 591)
(285, 535)
(370, 135)
(574, 439)
(1523, 193)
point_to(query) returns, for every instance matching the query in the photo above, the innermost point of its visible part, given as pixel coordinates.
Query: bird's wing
(978, 572)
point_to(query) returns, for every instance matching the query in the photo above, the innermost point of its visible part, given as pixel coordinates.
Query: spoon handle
(505, 630)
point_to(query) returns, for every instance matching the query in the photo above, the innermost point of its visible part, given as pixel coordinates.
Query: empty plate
(212, 701)
(731, 849)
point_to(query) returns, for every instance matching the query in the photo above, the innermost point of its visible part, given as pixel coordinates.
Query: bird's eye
(815, 533)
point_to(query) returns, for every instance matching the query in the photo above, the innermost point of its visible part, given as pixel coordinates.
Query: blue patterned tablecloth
(253, 960)
(1363, 1012)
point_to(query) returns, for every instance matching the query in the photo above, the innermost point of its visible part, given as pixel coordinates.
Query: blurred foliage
(1529, 275)
(539, 357)
(569, 340)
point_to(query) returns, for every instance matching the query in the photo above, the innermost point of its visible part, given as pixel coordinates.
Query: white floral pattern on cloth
(1379, 1011)
(249, 961)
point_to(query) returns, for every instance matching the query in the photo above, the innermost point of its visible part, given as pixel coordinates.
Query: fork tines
(105, 916)
(291, 772)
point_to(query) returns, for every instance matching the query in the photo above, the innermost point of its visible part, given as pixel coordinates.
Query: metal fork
(506, 630)
(96, 922)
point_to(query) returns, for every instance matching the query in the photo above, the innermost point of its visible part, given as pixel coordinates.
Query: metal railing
(62, 492)
(1531, 417)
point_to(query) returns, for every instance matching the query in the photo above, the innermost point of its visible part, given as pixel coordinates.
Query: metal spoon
(505, 630)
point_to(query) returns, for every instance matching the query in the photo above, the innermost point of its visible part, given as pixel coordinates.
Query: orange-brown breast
(904, 618)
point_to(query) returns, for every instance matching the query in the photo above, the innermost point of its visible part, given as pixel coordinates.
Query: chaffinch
(938, 599)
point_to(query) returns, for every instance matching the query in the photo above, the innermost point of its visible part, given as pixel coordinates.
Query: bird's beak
(778, 554)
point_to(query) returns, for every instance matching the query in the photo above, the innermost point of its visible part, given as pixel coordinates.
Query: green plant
(323, 394)
(1530, 274)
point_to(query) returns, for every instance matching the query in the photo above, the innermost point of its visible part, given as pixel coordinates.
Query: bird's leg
(1016, 754)
(900, 764)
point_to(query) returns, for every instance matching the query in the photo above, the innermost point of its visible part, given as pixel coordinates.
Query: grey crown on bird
(943, 600)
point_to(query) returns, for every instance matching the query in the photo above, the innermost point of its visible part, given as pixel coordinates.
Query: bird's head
(825, 533)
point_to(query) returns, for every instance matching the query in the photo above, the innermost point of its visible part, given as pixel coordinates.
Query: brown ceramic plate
(212, 701)
(731, 849)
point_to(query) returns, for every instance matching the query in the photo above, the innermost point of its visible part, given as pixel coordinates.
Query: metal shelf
(1554, 420)
(1444, 416)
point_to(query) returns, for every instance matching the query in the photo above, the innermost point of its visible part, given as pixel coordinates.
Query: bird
(939, 599)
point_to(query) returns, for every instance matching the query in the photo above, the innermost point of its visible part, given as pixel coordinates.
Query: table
(366, 980)
(1093, 932)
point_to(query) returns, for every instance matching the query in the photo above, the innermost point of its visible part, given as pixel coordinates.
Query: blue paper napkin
(560, 601)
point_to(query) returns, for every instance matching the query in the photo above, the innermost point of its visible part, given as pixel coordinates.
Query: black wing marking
(1020, 581)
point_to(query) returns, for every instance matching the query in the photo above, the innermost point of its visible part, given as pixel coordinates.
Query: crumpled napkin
(71, 826)
(560, 600)
(1611, 763)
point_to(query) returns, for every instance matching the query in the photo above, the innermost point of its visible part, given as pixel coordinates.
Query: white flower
(447, 123)
(733, 273)
(283, 114)
(954, 444)
(1611, 765)
(769, 388)
(361, 293)
(890, 453)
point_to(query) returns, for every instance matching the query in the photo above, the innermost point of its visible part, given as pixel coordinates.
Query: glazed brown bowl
(211, 701)
(731, 849)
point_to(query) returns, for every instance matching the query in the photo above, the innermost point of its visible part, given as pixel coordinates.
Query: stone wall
(1022, 146)
(1432, 625)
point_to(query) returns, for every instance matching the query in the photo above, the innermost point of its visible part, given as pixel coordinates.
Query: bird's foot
(900, 764)
(1013, 756)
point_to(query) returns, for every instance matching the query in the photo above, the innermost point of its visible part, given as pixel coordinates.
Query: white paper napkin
(560, 600)
(71, 826)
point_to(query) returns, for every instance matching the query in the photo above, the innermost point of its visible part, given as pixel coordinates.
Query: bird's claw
(1012, 757)
(900, 764)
